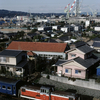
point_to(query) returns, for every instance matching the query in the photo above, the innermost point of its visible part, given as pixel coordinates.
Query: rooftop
(38, 46)
(11, 53)
(85, 49)
(96, 44)
(86, 63)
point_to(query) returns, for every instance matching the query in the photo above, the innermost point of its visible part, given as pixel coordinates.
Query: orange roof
(30, 53)
(37, 46)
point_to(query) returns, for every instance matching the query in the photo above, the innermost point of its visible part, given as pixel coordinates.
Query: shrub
(73, 79)
(48, 77)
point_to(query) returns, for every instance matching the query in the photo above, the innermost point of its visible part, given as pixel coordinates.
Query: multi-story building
(14, 61)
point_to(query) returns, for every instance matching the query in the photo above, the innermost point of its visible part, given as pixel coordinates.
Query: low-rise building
(43, 49)
(81, 63)
(14, 61)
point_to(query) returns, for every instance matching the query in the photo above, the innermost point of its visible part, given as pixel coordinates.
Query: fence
(81, 83)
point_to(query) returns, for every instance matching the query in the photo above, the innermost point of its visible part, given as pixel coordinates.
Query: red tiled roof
(37, 46)
(30, 53)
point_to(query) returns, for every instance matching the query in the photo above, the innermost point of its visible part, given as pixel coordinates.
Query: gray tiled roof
(87, 62)
(85, 48)
(96, 44)
(96, 39)
(79, 43)
(10, 53)
(60, 61)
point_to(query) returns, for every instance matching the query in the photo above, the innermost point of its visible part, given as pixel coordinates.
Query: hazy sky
(46, 6)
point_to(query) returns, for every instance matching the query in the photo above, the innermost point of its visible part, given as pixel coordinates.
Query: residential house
(67, 28)
(95, 43)
(32, 35)
(14, 61)
(43, 49)
(44, 28)
(66, 39)
(81, 63)
(56, 27)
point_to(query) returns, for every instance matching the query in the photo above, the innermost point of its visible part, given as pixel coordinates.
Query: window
(3, 87)
(4, 59)
(8, 88)
(67, 70)
(77, 71)
(73, 55)
(23, 90)
(43, 90)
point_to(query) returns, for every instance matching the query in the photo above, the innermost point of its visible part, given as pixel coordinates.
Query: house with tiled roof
(13, 61)
(80, 64)
(43, 49)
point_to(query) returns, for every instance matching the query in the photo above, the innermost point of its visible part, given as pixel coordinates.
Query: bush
(73, 79)
(48, 77)
(69, 78)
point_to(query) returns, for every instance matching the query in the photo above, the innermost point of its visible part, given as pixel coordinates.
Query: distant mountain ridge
(9, 13)
(4, 13)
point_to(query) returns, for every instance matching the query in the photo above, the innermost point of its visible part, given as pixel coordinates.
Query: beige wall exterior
(11, 61)
(77, 53)
(72, 66)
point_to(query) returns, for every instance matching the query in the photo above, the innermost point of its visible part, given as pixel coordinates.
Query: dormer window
(73, 55)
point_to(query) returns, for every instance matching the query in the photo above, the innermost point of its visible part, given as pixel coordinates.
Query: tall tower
(77, 8)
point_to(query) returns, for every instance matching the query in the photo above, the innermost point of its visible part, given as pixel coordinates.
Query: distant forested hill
(8, 13)
(4, 13)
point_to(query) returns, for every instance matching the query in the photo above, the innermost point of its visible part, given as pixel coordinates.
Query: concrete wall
(91, 84)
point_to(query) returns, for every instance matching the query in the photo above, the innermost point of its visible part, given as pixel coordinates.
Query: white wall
(40, 28)
(64, 29)
(97, 28)
(76, 28)
(54, 27)
(87, 23)
(42, 20)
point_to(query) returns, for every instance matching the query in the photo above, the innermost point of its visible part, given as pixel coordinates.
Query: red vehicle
(45, 93)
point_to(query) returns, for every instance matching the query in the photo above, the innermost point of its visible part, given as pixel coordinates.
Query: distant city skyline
(47, 6)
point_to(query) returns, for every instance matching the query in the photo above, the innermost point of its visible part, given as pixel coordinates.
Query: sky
(47, 6)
